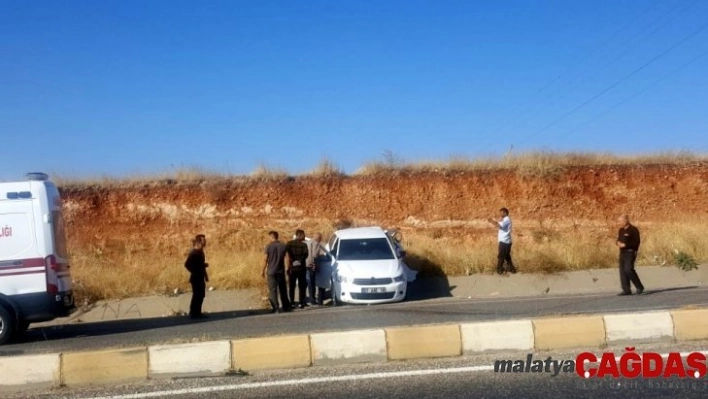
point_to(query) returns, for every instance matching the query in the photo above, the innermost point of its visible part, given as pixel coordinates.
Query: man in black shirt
(297, 252)
(628, 241)
(274, 270)
(198, 277)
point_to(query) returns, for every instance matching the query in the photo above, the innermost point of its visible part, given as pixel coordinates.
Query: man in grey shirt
(315, 248)
(274, 270)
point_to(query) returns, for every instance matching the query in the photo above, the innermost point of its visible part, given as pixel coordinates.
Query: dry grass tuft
(265, 173)
(326, 169)
(389, 164)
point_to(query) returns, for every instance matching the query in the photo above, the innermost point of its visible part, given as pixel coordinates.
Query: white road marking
(303, 381)
(321, 380)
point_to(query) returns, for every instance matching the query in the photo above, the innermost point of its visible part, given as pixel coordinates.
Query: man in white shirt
(504, 237)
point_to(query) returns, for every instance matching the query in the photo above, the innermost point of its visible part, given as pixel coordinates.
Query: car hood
(370, 268)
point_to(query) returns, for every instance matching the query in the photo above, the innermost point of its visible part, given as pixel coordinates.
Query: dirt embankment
(649, 193)
(146, 226)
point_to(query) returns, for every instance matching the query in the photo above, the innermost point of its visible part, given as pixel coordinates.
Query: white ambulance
(35, 282)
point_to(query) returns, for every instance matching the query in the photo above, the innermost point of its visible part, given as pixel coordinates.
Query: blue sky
(121, 87)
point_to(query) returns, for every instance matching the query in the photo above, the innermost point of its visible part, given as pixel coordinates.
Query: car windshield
(365, 249)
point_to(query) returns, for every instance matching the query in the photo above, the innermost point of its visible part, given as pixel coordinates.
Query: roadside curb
(216, 358)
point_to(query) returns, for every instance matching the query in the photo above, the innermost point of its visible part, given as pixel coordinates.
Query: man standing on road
(628, 243)
(198, 277)
(503, 226)
(296, 251)
(274, 271)
(314, 249)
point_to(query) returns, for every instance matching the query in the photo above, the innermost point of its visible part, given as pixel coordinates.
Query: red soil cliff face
(648, 193)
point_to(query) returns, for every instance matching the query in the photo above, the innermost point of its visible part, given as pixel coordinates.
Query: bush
(685, 261)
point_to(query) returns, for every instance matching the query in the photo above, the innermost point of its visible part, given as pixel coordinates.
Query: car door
(325, 265)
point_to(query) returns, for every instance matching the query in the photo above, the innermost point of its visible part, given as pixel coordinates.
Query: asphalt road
(438, 378)
(259, 323)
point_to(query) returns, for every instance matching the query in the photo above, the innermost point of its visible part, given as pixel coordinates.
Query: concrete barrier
(214, 358)
(348, 347)
(271, 353)
(638, 327)
(690, 324)
(423, 342)
(104, 367)
(497, 335)
(190, 360)
(569, 332)
(23, 372)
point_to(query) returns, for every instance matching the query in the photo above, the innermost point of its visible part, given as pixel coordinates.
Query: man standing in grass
(503, 226)
(628, 241)
(274, 271)
(296, 251)
(198, 277)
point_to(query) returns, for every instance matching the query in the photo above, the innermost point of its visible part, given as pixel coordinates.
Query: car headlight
(399, 279)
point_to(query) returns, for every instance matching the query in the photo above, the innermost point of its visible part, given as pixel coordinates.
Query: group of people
(296, 259)
(296, 262)
(291, 264)
(628, 241)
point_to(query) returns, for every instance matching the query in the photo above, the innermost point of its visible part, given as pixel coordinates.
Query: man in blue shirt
(503, 226)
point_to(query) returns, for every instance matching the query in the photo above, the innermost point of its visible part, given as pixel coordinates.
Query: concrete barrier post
(639, 327)
(271, 353)
(497, 335)
(190, 360)
(423, 342)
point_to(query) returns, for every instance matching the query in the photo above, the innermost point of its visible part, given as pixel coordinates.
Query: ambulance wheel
(7, 325)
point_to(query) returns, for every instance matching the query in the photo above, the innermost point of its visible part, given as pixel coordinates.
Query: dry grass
(235, 256)
(135, 267)
(181, 174)
(554, 249)
(267, 173)
(326, 169)
(531, 164)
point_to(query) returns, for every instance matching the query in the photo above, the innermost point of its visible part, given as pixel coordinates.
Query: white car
(366, 267)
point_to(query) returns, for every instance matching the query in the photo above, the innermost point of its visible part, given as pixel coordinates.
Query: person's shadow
(659, 291)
